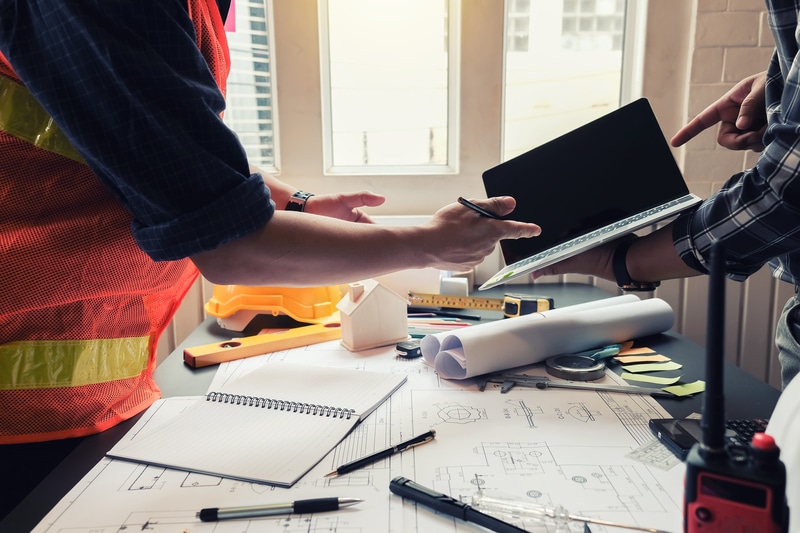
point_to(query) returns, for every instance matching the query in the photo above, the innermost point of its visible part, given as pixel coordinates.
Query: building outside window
(569, 72)
(390, 79)
(250, 110)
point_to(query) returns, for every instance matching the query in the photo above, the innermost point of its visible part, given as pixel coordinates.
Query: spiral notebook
(271, 426)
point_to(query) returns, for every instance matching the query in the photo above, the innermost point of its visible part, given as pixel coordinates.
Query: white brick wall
(731, 40)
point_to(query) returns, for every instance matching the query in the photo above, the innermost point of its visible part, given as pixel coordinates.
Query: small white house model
(372, 315)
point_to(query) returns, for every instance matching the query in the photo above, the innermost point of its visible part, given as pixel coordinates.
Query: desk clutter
(590, 448)
(523, 340)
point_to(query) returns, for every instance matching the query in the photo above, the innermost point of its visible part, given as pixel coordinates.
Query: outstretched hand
(741, 114)
(471, 236)
(344, 206)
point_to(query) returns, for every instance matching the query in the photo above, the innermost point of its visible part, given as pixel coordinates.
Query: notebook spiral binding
(282, 405)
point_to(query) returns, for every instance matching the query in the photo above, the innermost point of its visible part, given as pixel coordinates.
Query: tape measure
(511, 304)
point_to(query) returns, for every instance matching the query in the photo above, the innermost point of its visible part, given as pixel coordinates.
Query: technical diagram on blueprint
(580, 449)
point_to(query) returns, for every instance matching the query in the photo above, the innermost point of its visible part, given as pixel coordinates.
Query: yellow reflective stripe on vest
(50, 364)
(23, 117)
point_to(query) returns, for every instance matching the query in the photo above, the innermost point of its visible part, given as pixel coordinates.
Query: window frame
(453, 77)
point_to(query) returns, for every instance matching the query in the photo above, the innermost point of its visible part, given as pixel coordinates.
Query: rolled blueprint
(529, 339)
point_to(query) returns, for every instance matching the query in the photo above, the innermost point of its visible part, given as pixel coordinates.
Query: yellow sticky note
(654, 358)
(652, 367)
(687, 389)
(650, 379)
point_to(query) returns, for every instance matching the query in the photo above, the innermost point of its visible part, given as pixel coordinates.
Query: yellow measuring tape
(511, 304)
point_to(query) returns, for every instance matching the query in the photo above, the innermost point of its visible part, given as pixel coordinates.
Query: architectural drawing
(577, 449)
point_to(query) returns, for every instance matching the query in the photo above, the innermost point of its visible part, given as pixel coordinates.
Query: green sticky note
(652, 367)
(687, 389)
(650, 379)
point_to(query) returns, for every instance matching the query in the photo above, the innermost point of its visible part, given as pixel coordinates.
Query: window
(569, 73)
(593, 25)
(519, 25)
(414, 99)
(387, 86)
(250, 98)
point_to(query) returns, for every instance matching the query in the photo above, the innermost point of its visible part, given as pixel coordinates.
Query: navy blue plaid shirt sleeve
(757, 212)
(127, 84)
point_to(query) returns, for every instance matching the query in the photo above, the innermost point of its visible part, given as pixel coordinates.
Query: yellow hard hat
(236, 305)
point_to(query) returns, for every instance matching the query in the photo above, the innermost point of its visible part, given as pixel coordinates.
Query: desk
(746, 398)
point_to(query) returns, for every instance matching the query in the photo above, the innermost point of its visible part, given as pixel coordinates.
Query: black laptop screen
(607, 170)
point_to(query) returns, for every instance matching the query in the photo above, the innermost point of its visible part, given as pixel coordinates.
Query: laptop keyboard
(601, 233)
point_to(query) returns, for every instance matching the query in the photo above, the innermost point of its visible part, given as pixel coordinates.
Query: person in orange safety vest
(119, 183)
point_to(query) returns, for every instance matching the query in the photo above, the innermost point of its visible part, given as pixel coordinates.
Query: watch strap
(297, 202)
(621, 274)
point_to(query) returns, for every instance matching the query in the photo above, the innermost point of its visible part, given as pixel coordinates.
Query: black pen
(447, 505)
(397, 448)
(476, 208)
(316, 505)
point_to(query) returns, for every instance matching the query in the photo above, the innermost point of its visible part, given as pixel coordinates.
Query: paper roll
(529, 339)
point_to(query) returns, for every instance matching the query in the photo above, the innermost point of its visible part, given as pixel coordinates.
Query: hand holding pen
(476, 208)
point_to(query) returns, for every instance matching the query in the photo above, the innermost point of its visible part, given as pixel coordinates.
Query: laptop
(605, 179)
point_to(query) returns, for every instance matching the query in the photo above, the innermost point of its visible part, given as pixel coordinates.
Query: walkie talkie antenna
(713, 420)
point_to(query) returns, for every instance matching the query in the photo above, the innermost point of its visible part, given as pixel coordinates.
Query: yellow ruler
(230, 350)
(510, 305)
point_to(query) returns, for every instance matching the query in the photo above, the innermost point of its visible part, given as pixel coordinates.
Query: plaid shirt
(756, 214)
(128, 85)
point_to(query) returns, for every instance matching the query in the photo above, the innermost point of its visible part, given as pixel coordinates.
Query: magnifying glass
(584, 366)
(575, 367)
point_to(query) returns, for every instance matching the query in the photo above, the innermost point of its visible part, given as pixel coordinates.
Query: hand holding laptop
(653, 257)
(608, 178)
(593, 262)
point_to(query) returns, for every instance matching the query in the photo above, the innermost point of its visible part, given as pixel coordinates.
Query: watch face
(298, 201)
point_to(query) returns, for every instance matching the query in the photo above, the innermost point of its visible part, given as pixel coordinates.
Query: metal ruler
(509, 380)
(511, 305)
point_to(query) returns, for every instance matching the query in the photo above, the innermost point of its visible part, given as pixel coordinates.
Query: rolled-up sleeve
(128, 85)
(756, 213)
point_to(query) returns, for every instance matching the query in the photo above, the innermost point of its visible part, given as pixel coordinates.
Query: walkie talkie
(730, 488)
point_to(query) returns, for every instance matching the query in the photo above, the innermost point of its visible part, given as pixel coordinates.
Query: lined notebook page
(262, 444)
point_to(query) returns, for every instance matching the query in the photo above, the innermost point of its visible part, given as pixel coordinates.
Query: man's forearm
(654, 258)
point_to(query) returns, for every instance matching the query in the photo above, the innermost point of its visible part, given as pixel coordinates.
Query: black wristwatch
(621, 274)
(297, 202)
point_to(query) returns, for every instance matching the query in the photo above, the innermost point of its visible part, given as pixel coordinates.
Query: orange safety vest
(82, 306)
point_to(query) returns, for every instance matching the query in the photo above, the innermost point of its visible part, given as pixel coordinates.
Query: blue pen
(606, 351)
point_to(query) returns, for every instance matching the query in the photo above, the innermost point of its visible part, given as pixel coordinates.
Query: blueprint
(589, 451)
